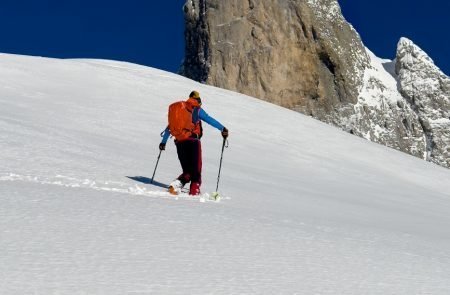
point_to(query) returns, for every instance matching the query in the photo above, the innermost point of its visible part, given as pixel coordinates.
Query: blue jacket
(200, 115)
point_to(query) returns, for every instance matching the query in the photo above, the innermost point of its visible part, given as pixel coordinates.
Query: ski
(204, 197)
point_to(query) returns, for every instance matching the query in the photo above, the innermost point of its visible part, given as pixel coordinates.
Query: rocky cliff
(277, 50)
(303, 55)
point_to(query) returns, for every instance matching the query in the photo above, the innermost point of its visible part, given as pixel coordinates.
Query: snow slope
(309, 209)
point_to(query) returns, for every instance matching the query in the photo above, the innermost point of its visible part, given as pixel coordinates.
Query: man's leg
(196, 167)
(183, 155)
(183, 151)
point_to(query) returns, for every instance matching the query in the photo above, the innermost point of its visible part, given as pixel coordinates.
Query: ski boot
(175, 187)
(194, 189)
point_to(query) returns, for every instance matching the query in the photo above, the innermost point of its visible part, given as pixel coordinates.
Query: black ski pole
(156, 166)
(220, 166)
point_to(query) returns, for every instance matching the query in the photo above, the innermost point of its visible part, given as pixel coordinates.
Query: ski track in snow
(109, 186)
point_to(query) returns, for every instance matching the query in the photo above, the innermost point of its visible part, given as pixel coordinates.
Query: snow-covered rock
(427, 89)
(404, 104)
(382, 114)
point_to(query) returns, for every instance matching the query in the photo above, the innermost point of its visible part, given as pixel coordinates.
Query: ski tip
(208, 197)
(215, 196)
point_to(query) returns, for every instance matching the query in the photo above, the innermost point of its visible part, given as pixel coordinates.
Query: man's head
(195, 95)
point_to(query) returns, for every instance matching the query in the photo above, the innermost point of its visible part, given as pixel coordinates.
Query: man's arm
(165, 136)
(210, 120)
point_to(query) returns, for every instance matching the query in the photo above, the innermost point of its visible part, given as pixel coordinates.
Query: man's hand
(162, 146)
(224, 132)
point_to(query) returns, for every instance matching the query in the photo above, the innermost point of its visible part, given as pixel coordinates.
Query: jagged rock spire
(427, 88)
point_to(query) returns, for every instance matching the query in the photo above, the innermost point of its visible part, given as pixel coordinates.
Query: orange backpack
(180, 121)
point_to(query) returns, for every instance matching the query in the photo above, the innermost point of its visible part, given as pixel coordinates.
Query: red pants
(190, 155)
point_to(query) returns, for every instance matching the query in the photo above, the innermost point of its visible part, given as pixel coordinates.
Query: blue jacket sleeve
(210, 120)
(166, 134)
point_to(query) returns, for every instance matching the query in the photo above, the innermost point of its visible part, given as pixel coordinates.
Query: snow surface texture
(309, 209)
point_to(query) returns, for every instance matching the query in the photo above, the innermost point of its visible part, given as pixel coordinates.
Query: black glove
(162, 146)
(224, 132)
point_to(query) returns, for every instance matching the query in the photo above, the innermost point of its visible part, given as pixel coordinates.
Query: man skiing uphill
(185, 125)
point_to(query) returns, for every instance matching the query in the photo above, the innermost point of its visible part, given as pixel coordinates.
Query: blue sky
(381, 23)
(151, 32)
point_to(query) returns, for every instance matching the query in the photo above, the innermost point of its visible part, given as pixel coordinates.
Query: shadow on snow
(147, 180)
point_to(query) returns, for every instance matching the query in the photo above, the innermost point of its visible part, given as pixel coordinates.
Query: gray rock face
(303, 55)
(277, 50)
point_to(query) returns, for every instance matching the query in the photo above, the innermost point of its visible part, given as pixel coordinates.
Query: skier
(185, 125)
